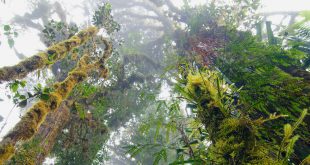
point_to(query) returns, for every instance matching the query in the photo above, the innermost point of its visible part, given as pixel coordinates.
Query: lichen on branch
(50, 56)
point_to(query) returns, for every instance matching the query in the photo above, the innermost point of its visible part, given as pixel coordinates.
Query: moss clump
(104, 73)
(203, 81)
(63, 88)
(234, 135)
(194, 79)
(108, 49)
(6, 151)
(237, 140)
(27, 153)
(22, 69)
(54, 100)
(78, 76)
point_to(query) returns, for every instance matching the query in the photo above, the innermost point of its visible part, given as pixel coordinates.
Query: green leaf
(47, 90)
(22, 97)
(194, 142)
(287, 131)
(80, 111)
(15, 34)
(7, 28)
(290, 146)
(30, 94)
(130, 148)
(158, 126)
(23, 103)
(39, 87)
(300, 119)
(11, 42)
(159, 155)
(22, 83)
(137, 151)
(44, 97)
(14, 87)
(38, 74)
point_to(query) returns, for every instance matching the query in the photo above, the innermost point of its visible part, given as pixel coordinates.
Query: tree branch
(42, 59)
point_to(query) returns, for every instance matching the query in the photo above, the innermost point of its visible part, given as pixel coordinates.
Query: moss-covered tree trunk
(35, 151)
(32, 120)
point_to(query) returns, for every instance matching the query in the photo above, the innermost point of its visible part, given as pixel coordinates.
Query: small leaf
(7, 28)
(23, 83)
(194, 142)
(287, 131)
(158, 126)
(23, 103)
(15, 34)
(39, 86)
(38, 74)
(30, 94)
(11, 42)
(22, 97)
(47, 90)
(44, 97)
(14, 87)
(290, 146)
(159, 155)
(137, 151)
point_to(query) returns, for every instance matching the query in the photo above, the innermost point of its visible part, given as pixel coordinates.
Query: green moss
(235, 136)
(54, 100)
(6, 151)
(26, 154)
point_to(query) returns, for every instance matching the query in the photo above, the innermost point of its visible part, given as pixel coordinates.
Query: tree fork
(50, 56)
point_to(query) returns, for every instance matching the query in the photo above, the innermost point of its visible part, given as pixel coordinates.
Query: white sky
(285, 5)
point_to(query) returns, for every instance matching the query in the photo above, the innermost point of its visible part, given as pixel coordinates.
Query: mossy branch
(31, 121)
(50, 56)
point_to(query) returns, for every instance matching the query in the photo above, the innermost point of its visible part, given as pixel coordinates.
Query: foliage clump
(103, 18)
(236, 137)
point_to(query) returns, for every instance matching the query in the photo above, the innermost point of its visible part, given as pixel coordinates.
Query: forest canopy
(156, 82)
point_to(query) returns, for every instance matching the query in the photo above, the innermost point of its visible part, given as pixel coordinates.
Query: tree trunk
(45, 138)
